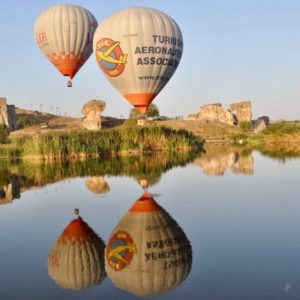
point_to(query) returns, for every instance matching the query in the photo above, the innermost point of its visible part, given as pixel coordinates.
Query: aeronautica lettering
(158, 50)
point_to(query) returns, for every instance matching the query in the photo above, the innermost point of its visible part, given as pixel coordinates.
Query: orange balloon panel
(141, 101)
(68, 64)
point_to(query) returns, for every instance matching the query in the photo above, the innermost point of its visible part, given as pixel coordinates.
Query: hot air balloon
(138, 49)
(64, 33)
(147, 252)
(76, 260)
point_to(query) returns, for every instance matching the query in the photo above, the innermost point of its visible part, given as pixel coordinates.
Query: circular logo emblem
(120, 250)
(110, 57)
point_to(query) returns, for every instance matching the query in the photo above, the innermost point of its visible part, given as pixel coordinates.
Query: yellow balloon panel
(138, 49)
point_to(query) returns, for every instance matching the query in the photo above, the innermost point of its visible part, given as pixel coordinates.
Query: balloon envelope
(138, 49)
(76, 261)
(64, 33)
(147, 253)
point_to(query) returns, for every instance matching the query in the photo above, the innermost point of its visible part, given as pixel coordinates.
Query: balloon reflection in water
(76, 261)
(147, 253)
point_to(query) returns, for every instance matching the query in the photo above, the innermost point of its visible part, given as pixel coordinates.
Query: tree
(151, 112)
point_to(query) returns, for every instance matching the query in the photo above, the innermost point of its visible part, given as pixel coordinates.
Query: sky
(234, 50)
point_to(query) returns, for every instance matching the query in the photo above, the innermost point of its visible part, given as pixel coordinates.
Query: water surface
(237, 209)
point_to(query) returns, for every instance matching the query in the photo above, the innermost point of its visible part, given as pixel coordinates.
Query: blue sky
(233, 50)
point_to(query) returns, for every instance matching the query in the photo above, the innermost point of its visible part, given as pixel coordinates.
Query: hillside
(35, 122)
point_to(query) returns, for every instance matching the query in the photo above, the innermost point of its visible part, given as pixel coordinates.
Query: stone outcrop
(7, 114)
(92, 110)
(242, 111)
(237, 112)
(215, 112)
(261, 124)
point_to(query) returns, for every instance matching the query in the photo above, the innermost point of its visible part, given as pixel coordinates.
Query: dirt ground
(44, 122)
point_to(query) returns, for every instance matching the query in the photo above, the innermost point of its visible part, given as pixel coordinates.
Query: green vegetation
(239, 138)
(151, 112)
(24, 122)
(283, 128)
(149, 167)
(245, 125)
(4, 133)
(104, 142)
(280, 132)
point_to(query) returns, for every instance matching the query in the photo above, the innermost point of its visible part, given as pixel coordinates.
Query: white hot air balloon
(147, 253)
(138, 49)
(76, 261)
(64, 33)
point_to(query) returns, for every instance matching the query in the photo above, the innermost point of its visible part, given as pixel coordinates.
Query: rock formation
(261, 124)
(92, 110)
(215, 112)
(242, 111)
(237, 112)
(7, 114)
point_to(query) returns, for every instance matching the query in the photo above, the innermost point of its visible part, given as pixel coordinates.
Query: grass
(280, 132)
(283, 128)
(105, 142)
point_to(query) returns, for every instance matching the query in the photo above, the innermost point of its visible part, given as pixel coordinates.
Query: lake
(220, 224)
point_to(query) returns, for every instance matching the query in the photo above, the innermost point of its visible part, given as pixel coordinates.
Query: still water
(222, 224)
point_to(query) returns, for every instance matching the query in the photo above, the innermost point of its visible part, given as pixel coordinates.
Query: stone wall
(7, 114)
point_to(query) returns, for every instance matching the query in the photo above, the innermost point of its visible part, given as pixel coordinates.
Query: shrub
(245, 125)
(4, 133)
(24, 122)
(151, 112)
(239, 138)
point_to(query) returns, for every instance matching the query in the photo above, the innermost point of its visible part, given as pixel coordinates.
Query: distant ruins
(234, 115)
(7, 114)
(237, 113)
